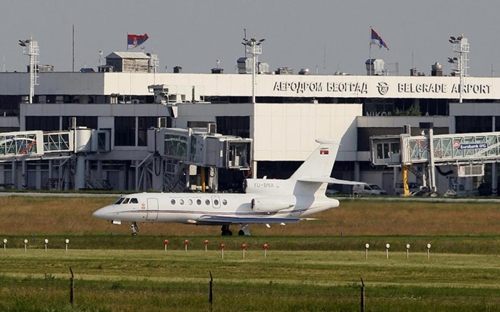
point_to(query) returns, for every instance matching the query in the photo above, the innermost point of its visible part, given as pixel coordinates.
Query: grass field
(176, 280)
(310, 266)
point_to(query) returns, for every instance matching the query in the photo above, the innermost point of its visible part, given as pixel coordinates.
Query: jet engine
(273, 204)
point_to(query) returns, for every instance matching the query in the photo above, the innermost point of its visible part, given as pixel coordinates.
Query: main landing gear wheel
(240, 233)
(225, 231)
(135, 228)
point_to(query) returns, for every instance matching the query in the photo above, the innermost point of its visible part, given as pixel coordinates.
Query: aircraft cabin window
(181, 201)
(172, 201)
(216, 202)
(119, 201)
(224, 202)
(207, 202)
(198, 201)
(190, 201)
(134, 201)
(126, 201)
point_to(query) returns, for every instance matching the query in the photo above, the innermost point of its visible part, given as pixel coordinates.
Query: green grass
(146, 280)
(310, 266)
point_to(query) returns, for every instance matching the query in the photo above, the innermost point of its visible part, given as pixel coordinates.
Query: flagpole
(370, 52)
(127, 41)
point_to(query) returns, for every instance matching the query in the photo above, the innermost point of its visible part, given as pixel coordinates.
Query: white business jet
(265, 201)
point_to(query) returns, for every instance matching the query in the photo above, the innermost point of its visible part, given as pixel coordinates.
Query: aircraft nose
(103, 213)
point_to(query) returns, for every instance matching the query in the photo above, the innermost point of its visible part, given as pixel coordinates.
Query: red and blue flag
(136, 40)
(376, 39)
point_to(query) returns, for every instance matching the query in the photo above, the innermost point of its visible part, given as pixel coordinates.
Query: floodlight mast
(30, 48)
(460, 46)
(253, 47)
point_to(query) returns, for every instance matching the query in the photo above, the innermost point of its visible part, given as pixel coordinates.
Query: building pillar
(357, 174)
(254, 169)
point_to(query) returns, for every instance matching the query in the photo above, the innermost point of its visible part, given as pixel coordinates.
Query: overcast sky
(299, 34)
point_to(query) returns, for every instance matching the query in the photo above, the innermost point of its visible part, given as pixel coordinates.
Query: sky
(323, 36)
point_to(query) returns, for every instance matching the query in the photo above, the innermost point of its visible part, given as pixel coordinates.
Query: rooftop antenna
(218, 63)
(245, 40)
(73, 48)
(324, 58)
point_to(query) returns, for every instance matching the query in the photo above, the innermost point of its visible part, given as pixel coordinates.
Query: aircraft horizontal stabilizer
(219, 220)
(329, 180)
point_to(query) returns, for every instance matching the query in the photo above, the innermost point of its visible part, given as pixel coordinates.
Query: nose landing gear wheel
(135, 228)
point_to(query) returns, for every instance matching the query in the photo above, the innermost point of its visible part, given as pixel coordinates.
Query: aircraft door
(215, 201)
(152, 210)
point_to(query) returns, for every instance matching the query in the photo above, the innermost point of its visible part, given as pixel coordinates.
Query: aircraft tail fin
(320, 163)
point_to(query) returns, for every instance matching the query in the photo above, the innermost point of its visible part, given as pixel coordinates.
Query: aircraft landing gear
(225, 231)
(245, 230)
(135, 228)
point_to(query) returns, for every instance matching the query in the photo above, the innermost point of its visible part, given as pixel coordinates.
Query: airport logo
(382, 87)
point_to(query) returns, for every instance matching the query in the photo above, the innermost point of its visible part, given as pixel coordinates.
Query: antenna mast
(73, 37)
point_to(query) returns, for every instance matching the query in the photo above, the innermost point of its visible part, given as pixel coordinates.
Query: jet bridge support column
(494, 167)
(494, 179)
(14, 174)
(80, 172)
(24, 173)
(214, 179)
(431, 158)
(51, 169)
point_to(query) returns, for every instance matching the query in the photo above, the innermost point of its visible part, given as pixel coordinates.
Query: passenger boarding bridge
(468, 152)
(173, 155)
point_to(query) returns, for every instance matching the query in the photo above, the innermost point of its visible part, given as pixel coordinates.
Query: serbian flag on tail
(376, 39)
(136, 40)
(324, 151)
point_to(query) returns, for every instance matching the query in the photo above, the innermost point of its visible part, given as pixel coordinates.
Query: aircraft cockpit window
(133, 201)
(207, 202)
(181, 201)
(172, 201)
(224, 202)
(118, 201)
(126, 201)
(198, 201)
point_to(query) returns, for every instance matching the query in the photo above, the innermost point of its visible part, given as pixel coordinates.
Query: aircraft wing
(330, 180)
(219, 220)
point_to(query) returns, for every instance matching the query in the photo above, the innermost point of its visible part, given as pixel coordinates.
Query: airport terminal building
(282, 112)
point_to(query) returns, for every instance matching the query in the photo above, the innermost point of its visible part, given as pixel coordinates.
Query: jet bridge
(57, 147)
(467, 151)
(178, 153)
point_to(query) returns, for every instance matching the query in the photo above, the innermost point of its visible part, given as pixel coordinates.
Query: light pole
(30, 48)
(460, 46)
(253, 47)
